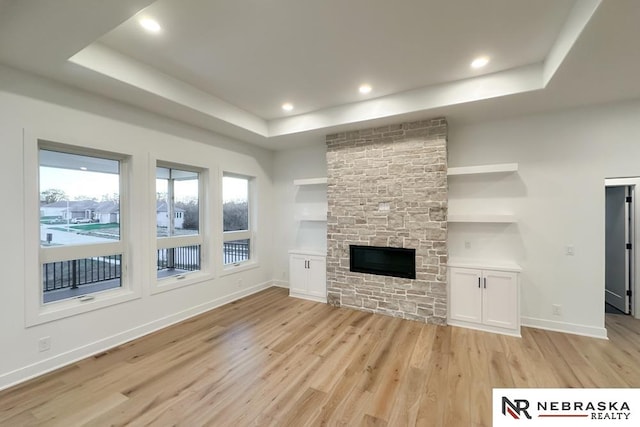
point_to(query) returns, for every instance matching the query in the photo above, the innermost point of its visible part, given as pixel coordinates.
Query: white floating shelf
(471, 170)
(318, 217)
(488, 218)
(309, 251)
(310, 181)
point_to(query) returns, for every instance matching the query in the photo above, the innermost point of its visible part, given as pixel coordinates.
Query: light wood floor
(273, 360)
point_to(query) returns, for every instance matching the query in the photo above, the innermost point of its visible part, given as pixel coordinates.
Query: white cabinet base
(308, 275)
(484, 297)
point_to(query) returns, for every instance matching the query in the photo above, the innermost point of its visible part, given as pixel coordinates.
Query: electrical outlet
(556, 310)
(570, 250)
(467, 244)
(44, 344)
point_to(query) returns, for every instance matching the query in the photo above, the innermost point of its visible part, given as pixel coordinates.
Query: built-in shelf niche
(314, 212)
(498, 218)
(483, 169)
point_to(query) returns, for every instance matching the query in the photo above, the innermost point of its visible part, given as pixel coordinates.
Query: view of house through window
(235, 218)
(177, 221)
(79, 208)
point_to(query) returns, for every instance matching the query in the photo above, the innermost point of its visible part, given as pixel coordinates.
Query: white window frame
(36, 312)
(168, 283)
(229, 236)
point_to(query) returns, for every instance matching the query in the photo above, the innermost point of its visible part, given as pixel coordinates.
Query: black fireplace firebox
(384, 261)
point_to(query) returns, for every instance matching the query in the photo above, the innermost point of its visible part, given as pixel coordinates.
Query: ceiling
(229, 65)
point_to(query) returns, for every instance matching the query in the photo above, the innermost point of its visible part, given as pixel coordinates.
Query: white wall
(558, 196)
(49, 109)
(306, 162)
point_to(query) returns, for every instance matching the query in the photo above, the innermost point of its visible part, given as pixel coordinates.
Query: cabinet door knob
(478, 282)
(485, 283)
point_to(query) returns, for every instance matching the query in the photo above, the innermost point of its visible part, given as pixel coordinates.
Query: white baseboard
(280, 284)
(485, 328)
(568, 328)
(307, 297)
(26, 373)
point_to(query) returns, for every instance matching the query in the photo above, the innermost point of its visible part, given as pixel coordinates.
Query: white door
(298, 273)
(500, 299)
(465, 296)
(317, 276)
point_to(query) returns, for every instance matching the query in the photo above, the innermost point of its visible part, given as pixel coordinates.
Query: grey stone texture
(404, 166)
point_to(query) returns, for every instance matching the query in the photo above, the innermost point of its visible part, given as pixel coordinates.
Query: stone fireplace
(387, 187)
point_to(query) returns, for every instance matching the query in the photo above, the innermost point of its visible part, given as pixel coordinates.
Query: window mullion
(229, 236)
(170, 242)
(62, 253)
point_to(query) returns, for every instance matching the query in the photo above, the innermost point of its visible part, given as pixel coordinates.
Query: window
(81, 249)
(178, 221)
(236, 218)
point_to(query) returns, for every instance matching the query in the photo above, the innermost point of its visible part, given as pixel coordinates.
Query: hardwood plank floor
(269, 359)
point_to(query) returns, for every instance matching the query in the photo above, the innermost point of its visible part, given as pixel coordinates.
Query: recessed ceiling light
(287, 106)
(150, 25)
(83, 168)
(480, 62)
(364, 89)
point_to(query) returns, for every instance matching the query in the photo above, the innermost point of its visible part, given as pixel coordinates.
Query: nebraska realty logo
(566, 407)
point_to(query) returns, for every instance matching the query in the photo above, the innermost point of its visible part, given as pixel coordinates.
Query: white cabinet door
(484, 299)
(308, 276)
(317, 276)
(298, 273)
(500, 299)
(465, 295)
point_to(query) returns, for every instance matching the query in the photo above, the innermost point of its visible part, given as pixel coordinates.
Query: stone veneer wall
(404, 165)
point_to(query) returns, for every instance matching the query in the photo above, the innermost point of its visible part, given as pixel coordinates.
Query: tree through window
(236, 218)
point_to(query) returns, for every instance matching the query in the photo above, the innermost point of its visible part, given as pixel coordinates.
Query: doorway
(620, 249)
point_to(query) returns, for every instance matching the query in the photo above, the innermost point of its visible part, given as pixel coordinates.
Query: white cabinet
(307, 259)
(308, 275)
(485, 297)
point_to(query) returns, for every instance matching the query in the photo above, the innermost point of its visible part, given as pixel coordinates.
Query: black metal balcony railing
(236, 251)
(78, 272)
(185, 258)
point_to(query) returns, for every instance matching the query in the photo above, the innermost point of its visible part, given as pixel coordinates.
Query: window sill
(175, 282)
(233, 269)
(79, 305)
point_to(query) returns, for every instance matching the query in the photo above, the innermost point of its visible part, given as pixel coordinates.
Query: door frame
(634, 183)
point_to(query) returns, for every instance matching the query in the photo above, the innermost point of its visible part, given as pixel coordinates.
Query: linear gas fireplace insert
(384, 261)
